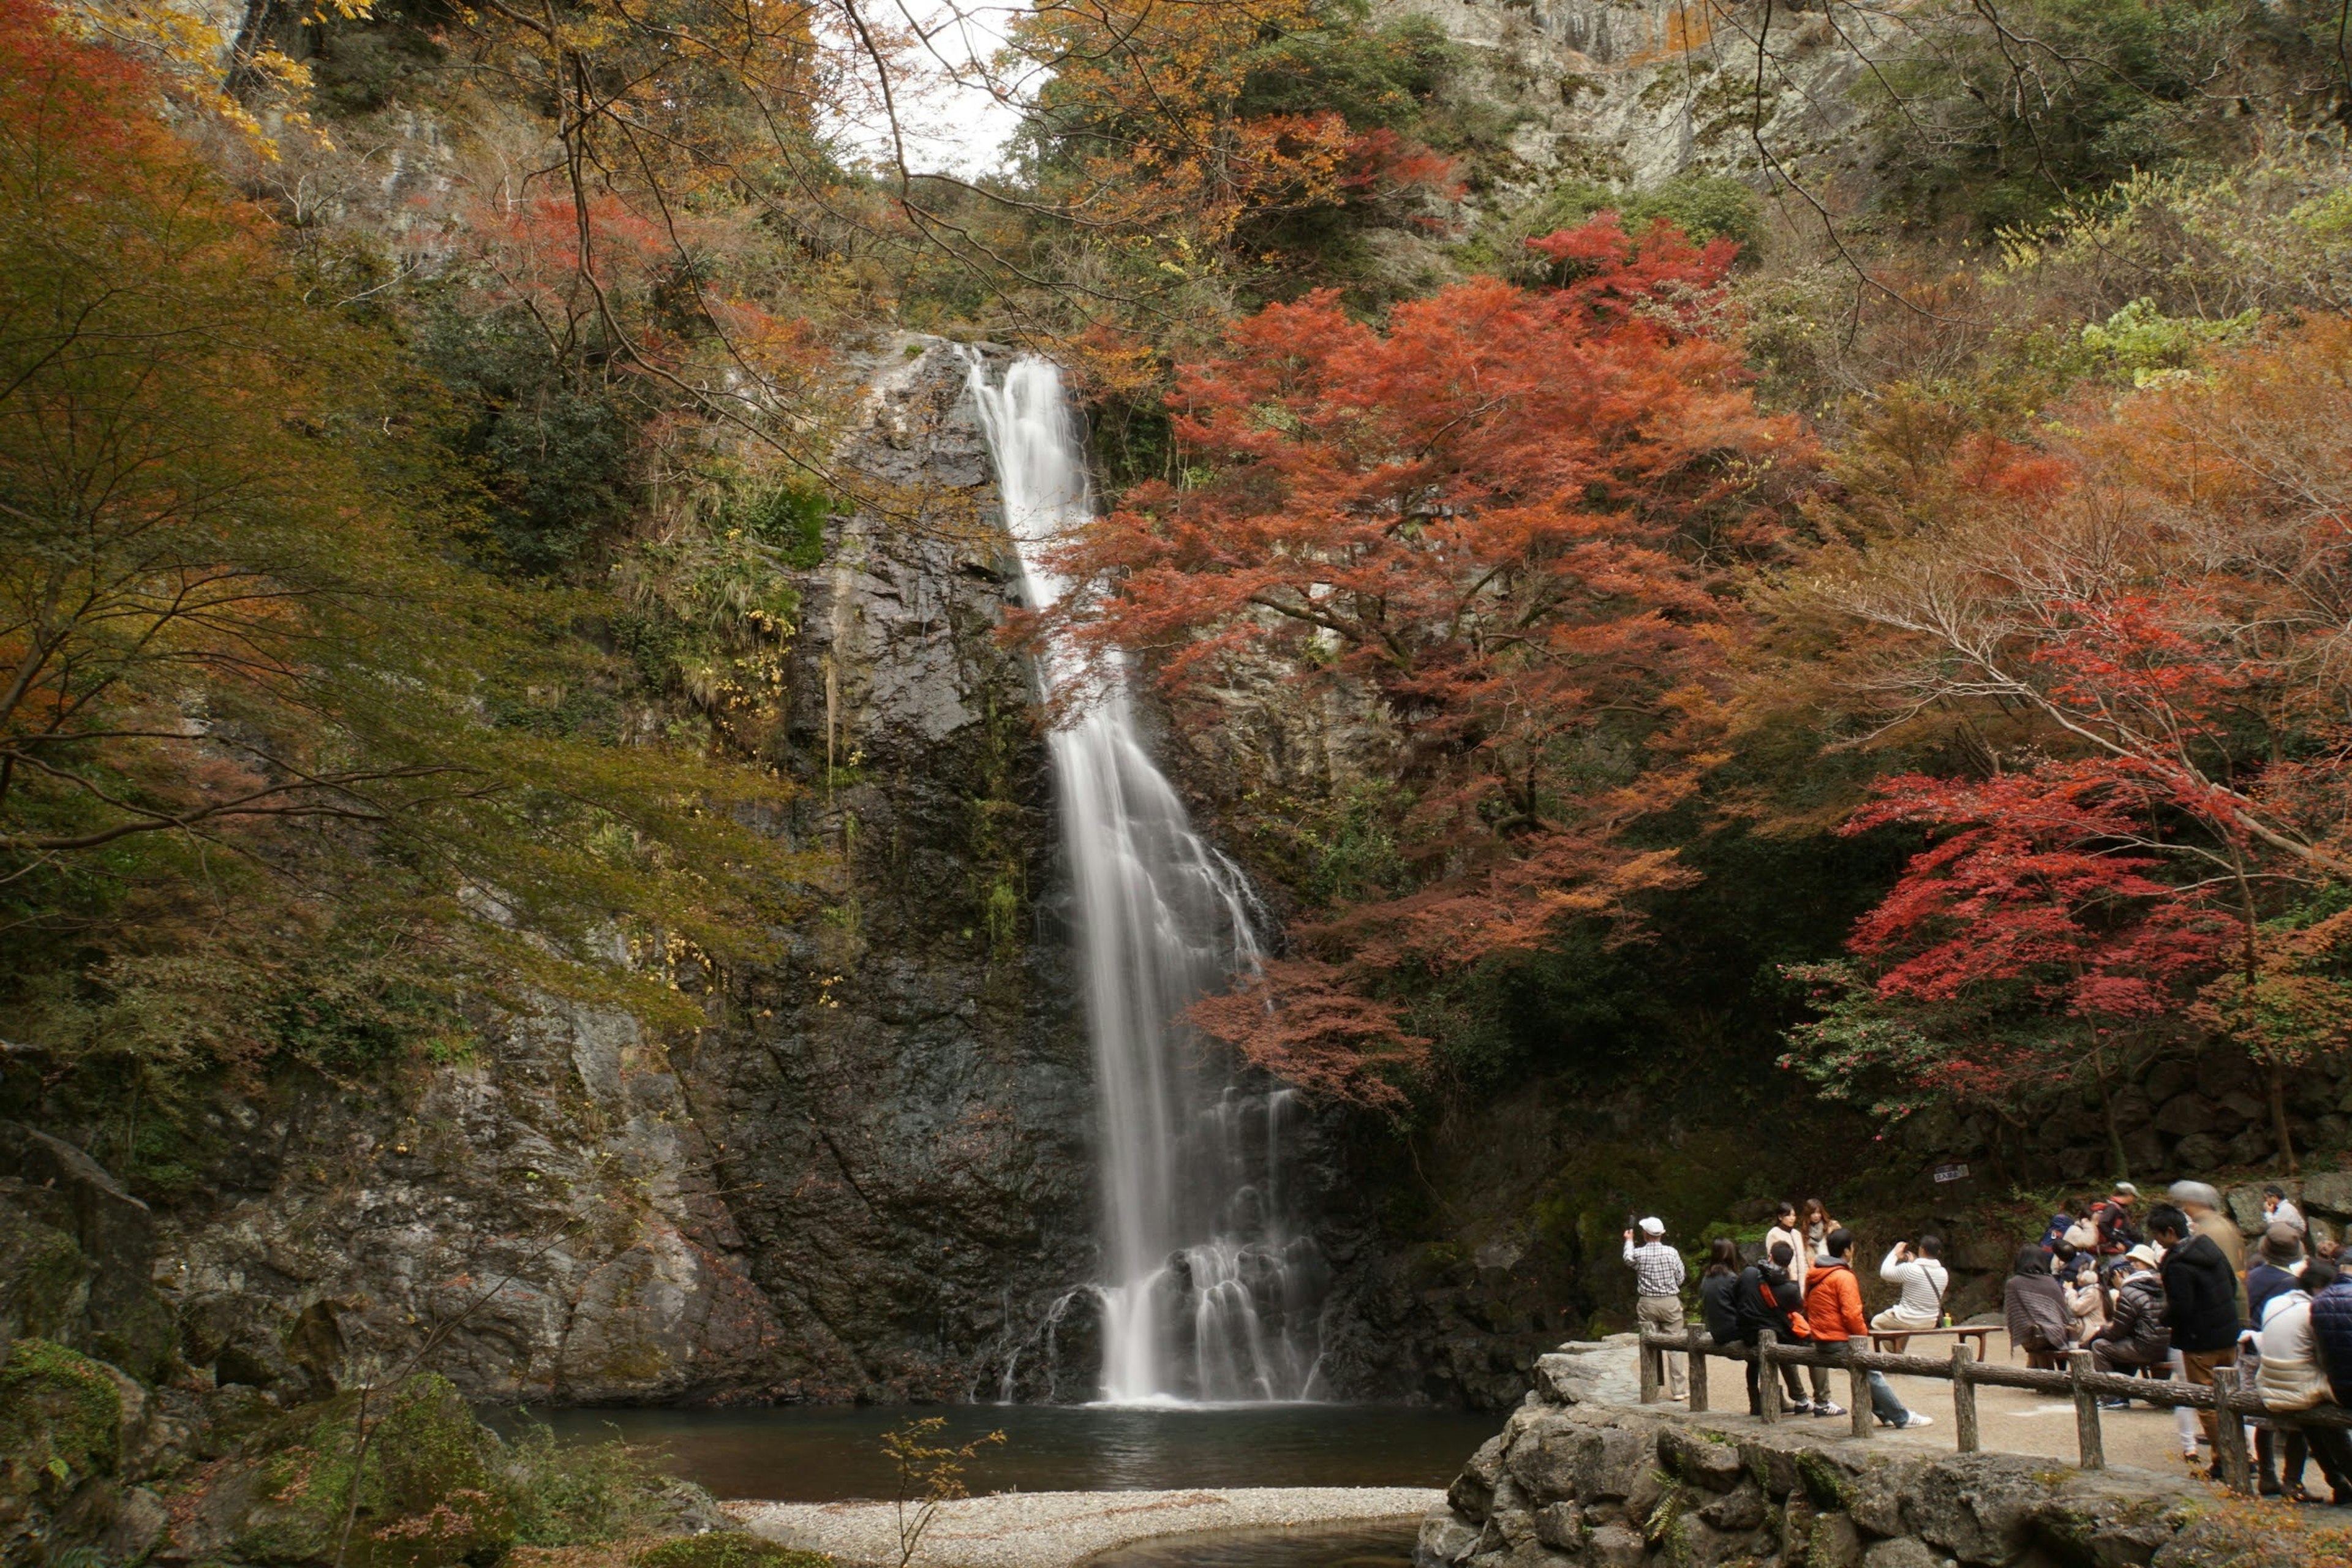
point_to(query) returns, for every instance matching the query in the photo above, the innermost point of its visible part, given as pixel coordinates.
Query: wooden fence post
(1698, 1370)
(2086, 1412)
(2230, 1436)
(1767, 1376)
(1652, 1360)
(1964, 1397)
(1860, 1410)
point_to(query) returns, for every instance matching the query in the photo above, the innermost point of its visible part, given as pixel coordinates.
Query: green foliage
(727, 1549)
(580, 1494)
(2271, 233)
(1704, 206)
(549, 442)
(1995, 121)
(2140, 345)
(1372, 76)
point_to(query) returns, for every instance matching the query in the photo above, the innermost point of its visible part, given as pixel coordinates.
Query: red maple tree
(1501, 524)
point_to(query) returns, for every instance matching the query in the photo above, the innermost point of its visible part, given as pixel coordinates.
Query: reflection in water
(799, 1454)
(1348, 1546)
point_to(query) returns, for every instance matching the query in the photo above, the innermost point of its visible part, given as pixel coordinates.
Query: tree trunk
(2108, 1111)
(2277, 1075)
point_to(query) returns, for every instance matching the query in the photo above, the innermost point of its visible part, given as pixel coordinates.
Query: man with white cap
(1658, 1274)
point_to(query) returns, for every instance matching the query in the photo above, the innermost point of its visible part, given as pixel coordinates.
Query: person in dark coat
(2035, 1307)
(2278, 1267)
(1718, 1292)
(1766, 1297)
(2200, 1302)
(2134, 1337)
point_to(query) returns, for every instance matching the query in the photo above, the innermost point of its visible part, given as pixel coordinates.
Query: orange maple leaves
(1502, 523)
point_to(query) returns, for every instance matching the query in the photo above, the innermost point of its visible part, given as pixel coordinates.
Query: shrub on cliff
(727, 1549)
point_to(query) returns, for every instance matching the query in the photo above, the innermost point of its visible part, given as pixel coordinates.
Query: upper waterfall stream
(1213, 1290)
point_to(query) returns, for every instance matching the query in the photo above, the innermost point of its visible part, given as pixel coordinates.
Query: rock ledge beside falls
(1054, 1529)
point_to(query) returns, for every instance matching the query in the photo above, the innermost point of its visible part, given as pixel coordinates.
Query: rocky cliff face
(1640, 91)
(867, 1178)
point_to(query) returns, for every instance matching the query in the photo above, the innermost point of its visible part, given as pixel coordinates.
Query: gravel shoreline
(1061, 1530)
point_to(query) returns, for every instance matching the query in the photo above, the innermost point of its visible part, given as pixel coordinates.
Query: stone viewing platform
(1581, 1475)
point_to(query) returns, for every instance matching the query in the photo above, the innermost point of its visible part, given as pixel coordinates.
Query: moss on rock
(429, 1488)
(60, 1413)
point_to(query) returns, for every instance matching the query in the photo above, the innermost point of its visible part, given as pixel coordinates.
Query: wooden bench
(1883, 1338)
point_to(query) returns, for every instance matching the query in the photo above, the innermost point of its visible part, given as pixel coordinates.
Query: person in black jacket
(1718, 1291)
(2134, 1336)
(1765, 1298)
(2201, 1301)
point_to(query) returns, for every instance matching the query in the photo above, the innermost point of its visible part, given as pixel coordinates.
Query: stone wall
(1573, 1481)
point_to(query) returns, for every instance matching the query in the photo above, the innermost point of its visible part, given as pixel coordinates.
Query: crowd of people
(2178, 1296)
(2174, 1295)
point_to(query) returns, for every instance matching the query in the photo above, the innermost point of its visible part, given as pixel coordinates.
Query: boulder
(2168, 1078)
(2241, 1109)
(2250, 1147)
(1835, 1542)
(1903, 1552)
(61, 1430)
(2185, 1113)
(1442, 1540)
(1565, 1376)
(1981, 1508)
(1611, 1462)
(2244, 1204)
(1736, 1511)
(1614, 1546)
(2329, 1193)
(1701, 1457)
(1559, 1525)
(1473, 1491)
(2200, 1152)
(1874, 1495)
(1773, 1467)
(2107, 1523)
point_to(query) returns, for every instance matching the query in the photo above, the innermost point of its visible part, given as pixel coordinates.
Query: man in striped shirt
(1658, 1274)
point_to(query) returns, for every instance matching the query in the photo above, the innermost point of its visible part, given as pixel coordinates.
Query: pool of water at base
(819, 1454)
(1339, 1546)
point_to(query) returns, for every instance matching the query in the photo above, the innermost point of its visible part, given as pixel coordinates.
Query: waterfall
(1213, 1290)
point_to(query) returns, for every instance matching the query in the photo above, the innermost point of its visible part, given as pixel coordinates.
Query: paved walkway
(1057, 1530)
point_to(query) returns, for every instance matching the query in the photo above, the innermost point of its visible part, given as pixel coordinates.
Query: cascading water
(1213, 1289)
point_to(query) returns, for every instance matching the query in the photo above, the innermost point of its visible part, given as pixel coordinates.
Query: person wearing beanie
(2278, 1267)
(1658, 1274)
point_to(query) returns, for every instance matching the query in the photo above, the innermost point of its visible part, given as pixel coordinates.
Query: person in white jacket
(1923, 1278)
(2291, 1378)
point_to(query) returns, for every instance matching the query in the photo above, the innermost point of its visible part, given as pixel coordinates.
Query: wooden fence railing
(1966, 1373)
